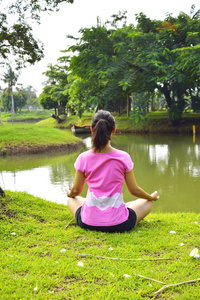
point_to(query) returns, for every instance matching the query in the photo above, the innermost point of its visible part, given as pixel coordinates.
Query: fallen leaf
(63, 250)
(194, 253)
(80, 264)
(126, 275)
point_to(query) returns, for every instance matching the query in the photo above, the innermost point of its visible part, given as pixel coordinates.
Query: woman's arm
(77, 186)
(137, 191)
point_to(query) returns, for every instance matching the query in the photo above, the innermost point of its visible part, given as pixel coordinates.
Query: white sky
(83, 14)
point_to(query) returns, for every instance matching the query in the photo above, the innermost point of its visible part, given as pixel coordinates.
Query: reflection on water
(169, 164)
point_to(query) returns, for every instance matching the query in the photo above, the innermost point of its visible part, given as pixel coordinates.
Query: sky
(83, 14)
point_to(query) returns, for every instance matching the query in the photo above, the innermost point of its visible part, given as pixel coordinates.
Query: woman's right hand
(155, 196)
(68, 192)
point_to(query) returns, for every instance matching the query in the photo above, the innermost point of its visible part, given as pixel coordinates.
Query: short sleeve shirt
(104, 172)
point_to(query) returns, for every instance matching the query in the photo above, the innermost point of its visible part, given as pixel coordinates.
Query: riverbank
(154, 122)
(45, 136)
(26, 138)
(46, 256)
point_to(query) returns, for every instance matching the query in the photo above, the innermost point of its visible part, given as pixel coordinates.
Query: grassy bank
(31, 138)
(26, 115)
(45, 257)
(44, 136)
(155, 122)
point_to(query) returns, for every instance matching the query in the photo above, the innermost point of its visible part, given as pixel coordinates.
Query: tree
(188, 62)
(30, 94)
(108, 66)
(46, 100)
(35, 7)
(164, 60)
(10, 78)
(95, 64)
(17, 39)
(54, 94)
(18, 99)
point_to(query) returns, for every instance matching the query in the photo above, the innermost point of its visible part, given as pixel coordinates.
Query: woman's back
(104, 172)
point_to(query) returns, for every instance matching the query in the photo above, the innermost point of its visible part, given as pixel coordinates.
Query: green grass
(68, 121)
(154, 122)
(26, 115)
(31, 135)
(34, 267)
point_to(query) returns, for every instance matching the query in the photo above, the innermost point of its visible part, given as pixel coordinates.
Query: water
(168, 164)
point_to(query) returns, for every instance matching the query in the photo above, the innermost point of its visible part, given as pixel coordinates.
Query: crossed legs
(75, 203)
(141, 207)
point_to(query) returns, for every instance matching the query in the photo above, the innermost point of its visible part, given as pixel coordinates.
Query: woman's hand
(77, 186)
(68, 192)
(155, 196)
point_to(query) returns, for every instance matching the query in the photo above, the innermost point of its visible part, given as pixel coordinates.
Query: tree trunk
(166, 93)
(128, 106)
(13, 108)
(119, 106)
(56, 118)
(133, 101)
(152, 102)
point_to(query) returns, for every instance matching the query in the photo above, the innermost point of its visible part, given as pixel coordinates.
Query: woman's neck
(108, 148)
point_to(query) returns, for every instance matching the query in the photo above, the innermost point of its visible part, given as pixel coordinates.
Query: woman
(105, 168)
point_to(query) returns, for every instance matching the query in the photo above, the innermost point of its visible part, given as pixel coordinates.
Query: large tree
(154, 55)
(16, 38)
(164, 62)
(95, 63)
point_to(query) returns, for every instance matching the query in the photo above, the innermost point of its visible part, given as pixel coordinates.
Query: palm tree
(10, 78)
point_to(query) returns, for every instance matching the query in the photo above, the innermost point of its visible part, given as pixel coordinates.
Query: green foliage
(110, 63)
(19, 101)
(17, 39)
(54, 94)
(174, 114)
(30, 94)
(138, 115)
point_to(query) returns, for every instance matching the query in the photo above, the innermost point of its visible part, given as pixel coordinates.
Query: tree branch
(129, 259)
(176, 284)
(149, 278)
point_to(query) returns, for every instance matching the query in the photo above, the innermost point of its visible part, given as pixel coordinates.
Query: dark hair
(103, 124)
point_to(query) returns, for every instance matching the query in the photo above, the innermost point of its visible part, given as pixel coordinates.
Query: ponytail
(103, 124)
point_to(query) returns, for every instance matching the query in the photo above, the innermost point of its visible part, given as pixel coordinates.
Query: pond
(168, 164)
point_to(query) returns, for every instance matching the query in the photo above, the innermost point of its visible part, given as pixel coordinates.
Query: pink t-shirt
(104, 172)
